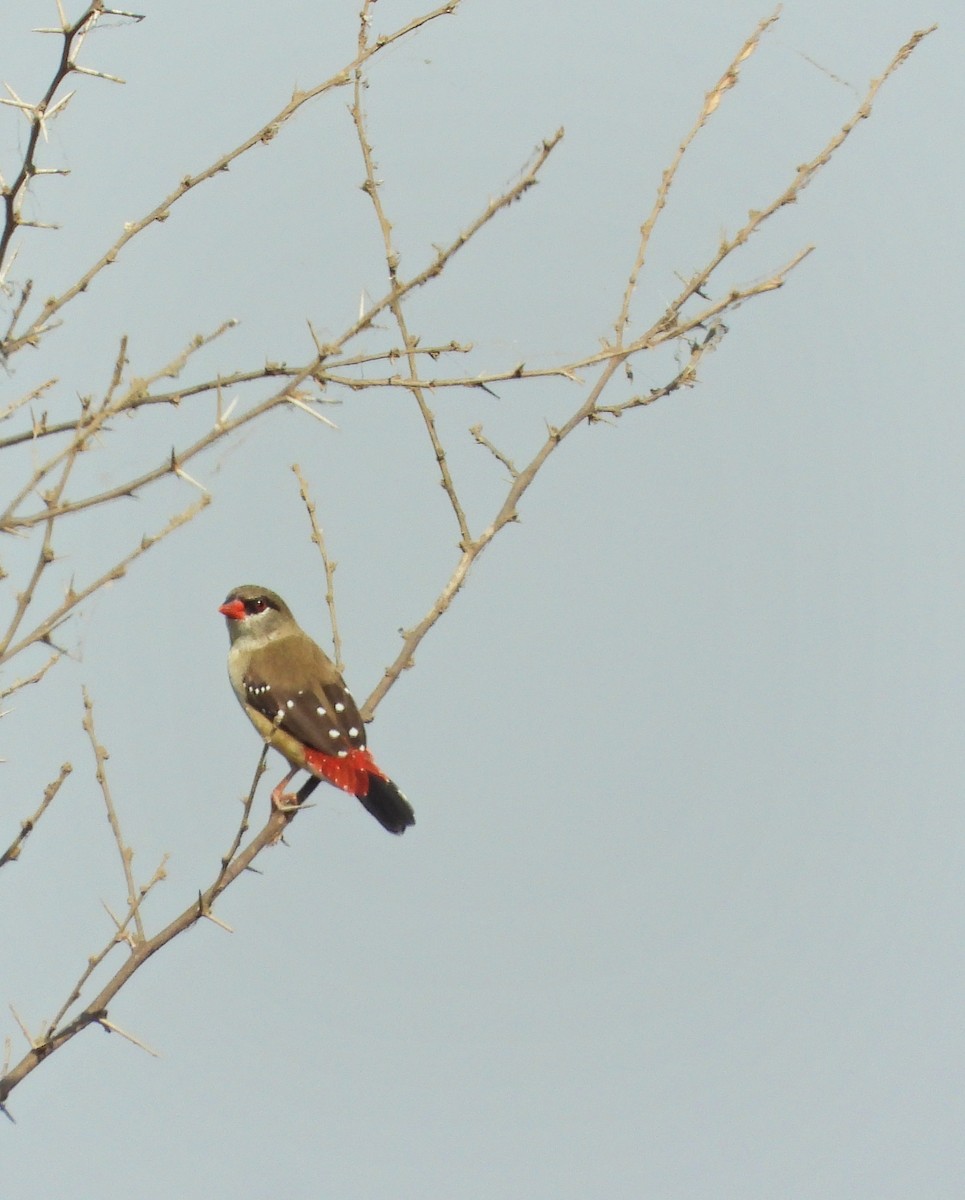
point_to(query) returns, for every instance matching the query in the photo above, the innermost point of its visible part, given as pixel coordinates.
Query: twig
(15, 405)
(43, 631)
(127, 854)
(711, 101)
(117, 938)
(480, 438)
(92, 421)
(409, 341)
(318, 537)
(96, 1011)
(669, 322)
(161, 212)
(12, 196)
(669, 327)
(36, 677)
(228, 858)
(27, 826)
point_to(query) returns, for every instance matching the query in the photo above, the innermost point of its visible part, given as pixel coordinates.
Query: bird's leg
(285, 801)
(310, 784)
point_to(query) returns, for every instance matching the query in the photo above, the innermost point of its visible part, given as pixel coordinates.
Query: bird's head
(255, 612)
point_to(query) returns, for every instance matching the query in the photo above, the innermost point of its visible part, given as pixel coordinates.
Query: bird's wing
(312, 705)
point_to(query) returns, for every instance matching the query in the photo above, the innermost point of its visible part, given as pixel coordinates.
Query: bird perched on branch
(295, 698)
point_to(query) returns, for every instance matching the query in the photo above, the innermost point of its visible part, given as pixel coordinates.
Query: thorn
(217, 921)
(299, 403)
(112, 1028)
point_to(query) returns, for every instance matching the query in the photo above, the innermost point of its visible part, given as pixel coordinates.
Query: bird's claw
(284, 802)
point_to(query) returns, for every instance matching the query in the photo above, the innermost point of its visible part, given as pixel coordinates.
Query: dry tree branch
(127, 854)
(41, 427)
(445, 254)
(36, 677)
(392, 259)
(41, 324)
(711, 101)
(243, 825)
(318, 537)
(12, 195)
(27, 826)
(232, 865)
(96, 1011)
(9, 521)
(480, 438)
(93, 420)
(45, 557)
(44, 630)
(669, 327)
(15, 405)
(119, 937)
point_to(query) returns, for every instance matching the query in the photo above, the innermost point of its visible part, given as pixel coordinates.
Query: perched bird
(296, 699)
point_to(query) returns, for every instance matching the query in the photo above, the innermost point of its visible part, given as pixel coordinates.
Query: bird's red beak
(234, 610)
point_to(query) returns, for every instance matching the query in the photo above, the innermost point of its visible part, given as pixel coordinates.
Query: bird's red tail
(357, 774)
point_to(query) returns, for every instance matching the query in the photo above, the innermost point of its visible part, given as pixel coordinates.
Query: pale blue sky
(682, 916)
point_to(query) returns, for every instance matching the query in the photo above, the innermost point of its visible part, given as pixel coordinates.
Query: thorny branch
(671, 326)
(127, 854)
(392, 262)
(318, 537)
(41, 323)
(38, 114)
(333, 366)
(96, 1010)
(29, 824)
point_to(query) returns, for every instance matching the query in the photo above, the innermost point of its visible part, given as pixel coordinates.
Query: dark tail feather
(387, 804)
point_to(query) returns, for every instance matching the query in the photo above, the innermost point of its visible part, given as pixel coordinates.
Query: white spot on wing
(334, 733)
(340, 707)
(353, 732)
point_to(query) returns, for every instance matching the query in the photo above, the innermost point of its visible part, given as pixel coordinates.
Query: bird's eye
(258, 605)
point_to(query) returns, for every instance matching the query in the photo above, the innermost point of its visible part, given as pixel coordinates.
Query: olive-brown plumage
(296, 699)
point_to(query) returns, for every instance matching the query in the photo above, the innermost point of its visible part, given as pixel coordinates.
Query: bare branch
(480, 438)
(37, 115)
(160, 213)
(27, 826)
(696, 333)
(119, 936)
(36, 677)
(43, 631)
(92, 420)
(669, 327)
(409, 341)
(246, 814)
(127, 854)
(97, 1010)
(711, 101)
(318, 537)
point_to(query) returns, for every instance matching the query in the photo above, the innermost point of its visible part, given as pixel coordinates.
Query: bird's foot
(282, 801)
